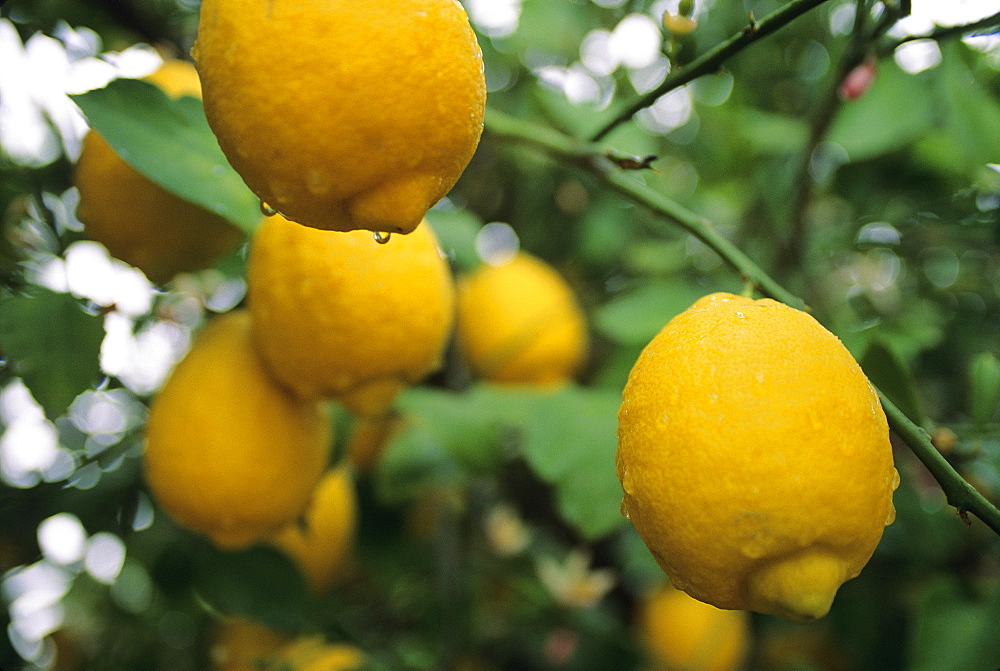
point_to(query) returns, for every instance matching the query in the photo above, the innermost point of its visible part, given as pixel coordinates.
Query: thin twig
(959, 492)
(710, 61)
(987, 25)
(591, 157)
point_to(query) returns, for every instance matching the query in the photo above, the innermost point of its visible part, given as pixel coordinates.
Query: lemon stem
(594, 159)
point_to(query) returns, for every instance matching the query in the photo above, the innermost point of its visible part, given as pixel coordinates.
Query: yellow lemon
(241, 644)
(343, 115)
(519, 322)
(140, 222)
(755, 458)
(320, 543)
(680, 632)
(229, 452)
(312, 653)
(337, 314)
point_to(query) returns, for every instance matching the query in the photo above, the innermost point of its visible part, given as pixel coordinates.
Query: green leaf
(877, 123)
(169, 141)
(635, 317)
(984, 387)
(887, 371)
(569, 438)
(53, 344)
(444, 438)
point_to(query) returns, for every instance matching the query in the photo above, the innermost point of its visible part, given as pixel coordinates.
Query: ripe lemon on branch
(339, 114)
(754, 457)
(139, 221)
(229, 452)
(338, 315)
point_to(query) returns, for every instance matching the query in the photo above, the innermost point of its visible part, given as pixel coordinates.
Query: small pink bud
(858, 80)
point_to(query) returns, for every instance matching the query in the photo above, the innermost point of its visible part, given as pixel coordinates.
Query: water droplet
(381, 237)
(267, 210)
(740, 315)
(628, 482)
(218, 170)
(624, 510)
(891, 515)
(895, 479)
(759, 376)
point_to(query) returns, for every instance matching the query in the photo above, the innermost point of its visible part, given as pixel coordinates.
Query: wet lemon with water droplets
(229, 452)
(343, 115)
(338, 315)
(139, 221)
(754, 457)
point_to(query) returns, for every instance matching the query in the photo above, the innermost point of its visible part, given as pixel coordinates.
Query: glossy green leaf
(170, 141)
(53, 344)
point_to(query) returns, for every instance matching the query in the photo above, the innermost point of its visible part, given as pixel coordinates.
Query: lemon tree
(756, 250)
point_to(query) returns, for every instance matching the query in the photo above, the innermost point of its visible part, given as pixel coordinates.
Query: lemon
(241, 644)
(519, 322)
(320, 543)
(343, 115)
(754, 457)
(339, 315)
(680, 632)
(140, 222)
(312, 653)
(229, 452)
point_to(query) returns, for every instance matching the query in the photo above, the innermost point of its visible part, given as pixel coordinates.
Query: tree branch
(710, 61)
(959, 492)
(594, 159)
(989, 24)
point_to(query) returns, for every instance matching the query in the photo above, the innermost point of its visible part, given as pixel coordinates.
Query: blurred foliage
(480, 487)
